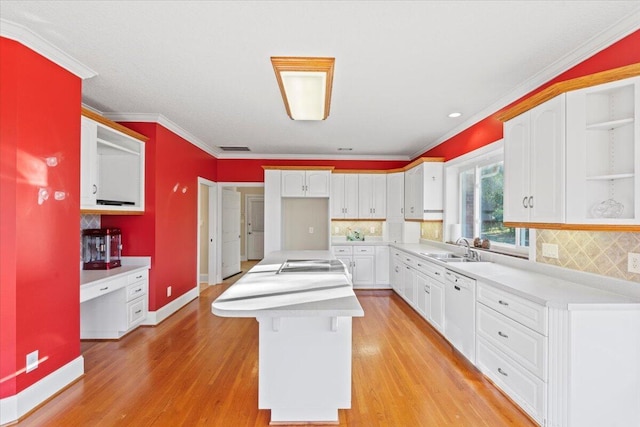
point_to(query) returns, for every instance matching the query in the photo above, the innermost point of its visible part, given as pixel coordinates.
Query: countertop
(261, 292)
(539, 288)
(129, 265)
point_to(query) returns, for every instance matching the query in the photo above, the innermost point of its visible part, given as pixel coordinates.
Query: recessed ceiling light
(454, 115)
(345, 149)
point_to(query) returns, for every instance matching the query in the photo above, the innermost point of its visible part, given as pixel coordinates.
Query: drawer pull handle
(139, 277)
(503, 302)
(426, 289)
(503, 335)
(437, 274)
(138, 290)
(139, 311)
(457, 288)
(503, 372)
(104, 289)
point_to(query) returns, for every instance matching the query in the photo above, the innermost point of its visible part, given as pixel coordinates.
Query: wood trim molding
(576, 227)
(421, 160)
(113, 125)
(306, 168)
(555, 89)
(374, 171)
(413, 164)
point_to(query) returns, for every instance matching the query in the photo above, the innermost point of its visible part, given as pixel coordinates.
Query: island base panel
(304, 368)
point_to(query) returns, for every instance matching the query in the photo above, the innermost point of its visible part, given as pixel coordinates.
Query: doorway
(230, 232)
(254, 204)
(207, 231)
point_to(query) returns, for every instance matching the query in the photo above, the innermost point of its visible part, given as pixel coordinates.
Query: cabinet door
(338, 209)
(409, 283)
(516, 169)
(432, 193)
(351, 195)
(318, 183)
(379, 196)
(395, 196)
(382, 266)
(365, 191)
(396, 275)
(293, 183)
(437, 305)
(410, 211)
(421, 294)
(88, 163)
(547, 162)
(346, 259)
(363, 270)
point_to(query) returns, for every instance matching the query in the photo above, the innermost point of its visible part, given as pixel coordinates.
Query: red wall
(250, 170)
(624, 52)
(40, 289)
(168, 229)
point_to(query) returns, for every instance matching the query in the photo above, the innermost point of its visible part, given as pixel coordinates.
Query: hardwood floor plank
(197, 369)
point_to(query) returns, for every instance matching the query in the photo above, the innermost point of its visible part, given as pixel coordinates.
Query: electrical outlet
(550, 250)
(372, 229)
(32, 361)
(336, 230)
(633, 263)
(310, 230)
(168, 291)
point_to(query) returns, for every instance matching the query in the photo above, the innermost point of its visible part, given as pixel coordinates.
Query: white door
(211, 262)
(230, 233)
(255, 227)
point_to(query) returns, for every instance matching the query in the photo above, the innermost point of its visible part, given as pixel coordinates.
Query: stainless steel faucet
(468, 246)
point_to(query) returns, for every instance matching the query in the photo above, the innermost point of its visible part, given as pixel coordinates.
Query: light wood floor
(197, 369)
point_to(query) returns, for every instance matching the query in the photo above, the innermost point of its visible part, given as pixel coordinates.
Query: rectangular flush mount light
(305, 85)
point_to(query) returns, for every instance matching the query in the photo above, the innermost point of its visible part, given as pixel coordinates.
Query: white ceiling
(401, 67)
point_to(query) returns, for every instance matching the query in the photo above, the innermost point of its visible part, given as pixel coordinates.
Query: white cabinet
(395, 196)
(344, 254)
(603, 154)
(360, 261)
(113, 307)
(306, 183)
(344, 196)
(382, 267)
(423, 297)
(372, 196)
(111, 167)
(397, 270)
(435, 311)
(423, 191)
(534, 164)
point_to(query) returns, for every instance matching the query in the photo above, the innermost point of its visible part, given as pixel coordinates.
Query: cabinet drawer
(433, 271)
(341, 250)
(528, 391)
(102, 288)
(136, 312)
(519, 309)
(136, 290)
(136, 277)
(357, 250)
(527, 347)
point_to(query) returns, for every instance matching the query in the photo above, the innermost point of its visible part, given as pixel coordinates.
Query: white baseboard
(155, 317)
(14, 407)
(204, 278)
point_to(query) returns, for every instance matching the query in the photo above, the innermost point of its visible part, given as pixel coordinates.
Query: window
(481, 205)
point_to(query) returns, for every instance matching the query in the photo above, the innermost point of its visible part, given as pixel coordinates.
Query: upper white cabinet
(111, 167)
(395, 196)
(534, 164)
(306, 183)
(344, 195)
(372, 196)
(603, 154)
(423, 191)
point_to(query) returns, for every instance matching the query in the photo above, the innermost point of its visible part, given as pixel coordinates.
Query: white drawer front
(136, 312)
(341, 250)
(528, 391)
(432, 270)
(136, 277)
(357, 250)
(525, 346)
(99, 289)
(136, 290)
(519, 309)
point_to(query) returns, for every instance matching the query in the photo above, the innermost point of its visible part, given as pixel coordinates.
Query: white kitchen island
(304, 312)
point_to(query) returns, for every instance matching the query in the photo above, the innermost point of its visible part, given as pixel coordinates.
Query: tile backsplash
(598, 252)
(340, 228)
(89, 221)
(431, 230)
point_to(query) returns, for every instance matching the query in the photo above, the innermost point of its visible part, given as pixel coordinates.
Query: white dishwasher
(460, 313)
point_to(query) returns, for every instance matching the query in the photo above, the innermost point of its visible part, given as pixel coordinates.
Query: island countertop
(263, 292)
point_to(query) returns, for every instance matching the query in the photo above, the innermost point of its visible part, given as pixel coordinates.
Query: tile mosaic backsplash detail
(340, 228)
(431, 230)
(89, 221)
(600, 252)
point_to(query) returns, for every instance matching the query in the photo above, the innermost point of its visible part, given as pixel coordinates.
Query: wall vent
(233, 148)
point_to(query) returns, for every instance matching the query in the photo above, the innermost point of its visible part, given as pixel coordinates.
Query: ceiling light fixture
(305, 85)
(454, 115)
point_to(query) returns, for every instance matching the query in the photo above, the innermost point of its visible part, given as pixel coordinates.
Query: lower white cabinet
(368, 265)
(382, 266)
(111, 308)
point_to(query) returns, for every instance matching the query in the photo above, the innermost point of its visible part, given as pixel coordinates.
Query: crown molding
(599, 42)
(240, 156)
(33, 41)
(165, 122)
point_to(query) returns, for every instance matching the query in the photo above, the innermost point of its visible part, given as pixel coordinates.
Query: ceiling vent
(233, 148)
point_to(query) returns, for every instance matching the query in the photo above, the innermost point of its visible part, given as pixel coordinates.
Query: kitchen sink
(448, 257)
